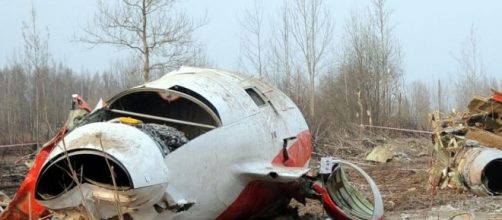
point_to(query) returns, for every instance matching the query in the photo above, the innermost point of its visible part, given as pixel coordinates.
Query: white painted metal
(472, 168)
(212, 169)
(132, 147)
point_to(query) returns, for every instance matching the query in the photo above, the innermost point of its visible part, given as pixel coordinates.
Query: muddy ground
(403, 181)
(13, 167)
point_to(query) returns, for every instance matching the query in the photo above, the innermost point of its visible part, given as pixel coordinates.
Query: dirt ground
(13, 168)
(403, 181)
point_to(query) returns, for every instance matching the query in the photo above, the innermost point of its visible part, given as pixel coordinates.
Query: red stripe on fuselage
(259, 196)
(299, 152)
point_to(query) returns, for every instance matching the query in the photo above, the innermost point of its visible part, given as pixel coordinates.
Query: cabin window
(257, 99)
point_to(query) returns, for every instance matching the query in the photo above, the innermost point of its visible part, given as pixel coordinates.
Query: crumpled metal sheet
(167, 137)
(349, 202)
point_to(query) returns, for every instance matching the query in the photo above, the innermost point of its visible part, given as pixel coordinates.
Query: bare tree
(36, 56)
(281, 56)
(420, 105)
(471, 77)
(370, 66)
(198, 57)
(388, 57)
(34, 92)
(312, 32)
(151, 28)
(252, 48)
(440, 97)
(296, 52)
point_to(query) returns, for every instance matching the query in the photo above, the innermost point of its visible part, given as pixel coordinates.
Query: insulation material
(169, 138)
(380, 154)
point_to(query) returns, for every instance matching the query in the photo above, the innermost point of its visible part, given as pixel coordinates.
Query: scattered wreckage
(194, 144)
(468, 147)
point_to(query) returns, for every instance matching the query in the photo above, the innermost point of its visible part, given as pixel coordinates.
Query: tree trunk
(146, 49)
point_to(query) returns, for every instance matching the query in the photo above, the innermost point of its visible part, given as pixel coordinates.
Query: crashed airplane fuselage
(194, 144)
(239, 141)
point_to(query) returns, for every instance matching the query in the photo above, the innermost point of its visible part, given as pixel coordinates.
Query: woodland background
(337, 88)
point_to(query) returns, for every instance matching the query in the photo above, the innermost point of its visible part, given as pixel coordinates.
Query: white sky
(429, 31)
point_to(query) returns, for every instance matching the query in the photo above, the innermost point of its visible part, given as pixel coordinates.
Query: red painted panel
(257, 197)
(329, 205)
(299, 152)
(19, 207)
(497, 96)
(261, 195)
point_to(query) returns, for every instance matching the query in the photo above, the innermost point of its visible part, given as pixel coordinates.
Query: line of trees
(36, 90)
(32, 111)
(363, 83)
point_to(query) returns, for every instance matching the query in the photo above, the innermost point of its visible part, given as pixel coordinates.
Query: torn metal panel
(485, 138)
(267, 172)
(343, 201)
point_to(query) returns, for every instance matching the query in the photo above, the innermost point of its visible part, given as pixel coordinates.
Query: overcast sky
(429, 31)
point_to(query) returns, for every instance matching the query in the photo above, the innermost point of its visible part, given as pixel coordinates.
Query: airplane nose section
(107, 155)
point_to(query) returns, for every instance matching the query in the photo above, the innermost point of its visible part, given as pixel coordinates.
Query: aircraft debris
(468, 148)
(194, 144)
(341, 200)
(380, 154)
